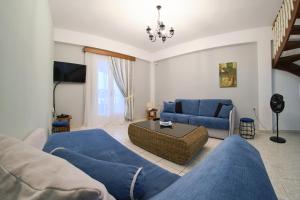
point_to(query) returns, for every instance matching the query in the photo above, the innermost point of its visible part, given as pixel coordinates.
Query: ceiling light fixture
(160, 32)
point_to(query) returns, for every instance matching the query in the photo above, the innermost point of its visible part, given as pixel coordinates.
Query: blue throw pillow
(225, 111)
(62, 123)
(169, 107)
(123, 181)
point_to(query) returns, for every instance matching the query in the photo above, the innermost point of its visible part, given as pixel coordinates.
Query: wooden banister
(108, 53)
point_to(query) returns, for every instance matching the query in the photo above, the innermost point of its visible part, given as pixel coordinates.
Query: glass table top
(176, 130)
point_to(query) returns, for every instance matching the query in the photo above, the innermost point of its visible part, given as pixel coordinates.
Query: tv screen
(69, 72)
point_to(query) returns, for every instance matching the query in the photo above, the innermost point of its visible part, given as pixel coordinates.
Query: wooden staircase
(287, 37)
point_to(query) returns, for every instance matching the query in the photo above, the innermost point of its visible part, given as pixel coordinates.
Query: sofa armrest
(234, 170)
(37, 138)
(231, 121)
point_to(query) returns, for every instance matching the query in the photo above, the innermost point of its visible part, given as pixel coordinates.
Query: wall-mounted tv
(69, 72)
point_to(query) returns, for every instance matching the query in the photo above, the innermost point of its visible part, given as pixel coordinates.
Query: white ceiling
(126, 20)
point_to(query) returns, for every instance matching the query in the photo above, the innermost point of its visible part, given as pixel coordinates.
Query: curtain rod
(108, 53)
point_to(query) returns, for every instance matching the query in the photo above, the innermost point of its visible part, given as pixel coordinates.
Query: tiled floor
(282, 161)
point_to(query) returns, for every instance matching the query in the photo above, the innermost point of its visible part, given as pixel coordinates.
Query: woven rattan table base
(176, 149)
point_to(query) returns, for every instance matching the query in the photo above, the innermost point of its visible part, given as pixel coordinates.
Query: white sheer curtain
(123, 73)
(104, 103)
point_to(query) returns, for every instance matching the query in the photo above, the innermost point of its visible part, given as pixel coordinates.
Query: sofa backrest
(189, 106)
(202, 107)
(208, 107)
(224, 174)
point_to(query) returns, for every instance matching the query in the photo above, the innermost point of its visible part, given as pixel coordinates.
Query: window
(109, 98)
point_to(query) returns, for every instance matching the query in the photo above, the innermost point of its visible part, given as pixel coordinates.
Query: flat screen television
(69, 72)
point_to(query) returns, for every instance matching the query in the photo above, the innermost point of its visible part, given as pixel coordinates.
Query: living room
(177, 83)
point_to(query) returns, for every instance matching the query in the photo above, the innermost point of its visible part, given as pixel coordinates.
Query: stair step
(291, 67)
(295, 30)
(292, 45)
(289, 59)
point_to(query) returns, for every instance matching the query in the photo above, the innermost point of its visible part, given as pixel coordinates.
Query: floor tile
(171, 165)
(279, 189)
(129, 145)
(167, 167)
(182, 173)
(151, 157)
(292, 187)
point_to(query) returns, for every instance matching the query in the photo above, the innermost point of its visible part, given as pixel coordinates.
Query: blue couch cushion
(247, 120)
(181, 118)
(169, 107)
(165, 116)
(189, 106)
(233, 171)
(175, 117)
(119, 179)
(96, 143)
(208, 107)
(210, 122)
(225, 111)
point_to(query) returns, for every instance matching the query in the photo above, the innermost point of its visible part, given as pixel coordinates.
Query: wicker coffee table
(178, 143)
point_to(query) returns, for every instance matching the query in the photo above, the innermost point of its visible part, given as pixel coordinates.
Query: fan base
(277, 139)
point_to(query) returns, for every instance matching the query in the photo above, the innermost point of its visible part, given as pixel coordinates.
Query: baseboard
(281, 131)
(289, 131)
(236, 131)
(139, 120)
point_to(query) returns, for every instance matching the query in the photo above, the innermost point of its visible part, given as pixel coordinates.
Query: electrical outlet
(254, 112)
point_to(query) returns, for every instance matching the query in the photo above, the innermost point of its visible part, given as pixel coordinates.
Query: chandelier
(160, 31)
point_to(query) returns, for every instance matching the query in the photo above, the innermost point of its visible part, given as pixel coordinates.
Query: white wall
(288, 85)
(26, 66)
(70, 96)
(141, 84)
(262, 36)
(196, 75)
(84, 39)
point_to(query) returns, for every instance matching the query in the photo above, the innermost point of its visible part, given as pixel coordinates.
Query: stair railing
(282, 27)
(281, 24)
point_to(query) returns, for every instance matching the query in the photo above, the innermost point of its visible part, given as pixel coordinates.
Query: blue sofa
(202, 113)
(223, 174)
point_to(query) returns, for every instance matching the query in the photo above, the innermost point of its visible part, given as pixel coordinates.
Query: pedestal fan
(277, 105)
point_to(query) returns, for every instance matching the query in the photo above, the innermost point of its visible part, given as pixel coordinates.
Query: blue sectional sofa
(203, 112)
(222, 175)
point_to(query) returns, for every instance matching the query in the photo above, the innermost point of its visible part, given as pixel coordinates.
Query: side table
(61, 124)
(247, 128)
(151, 114)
